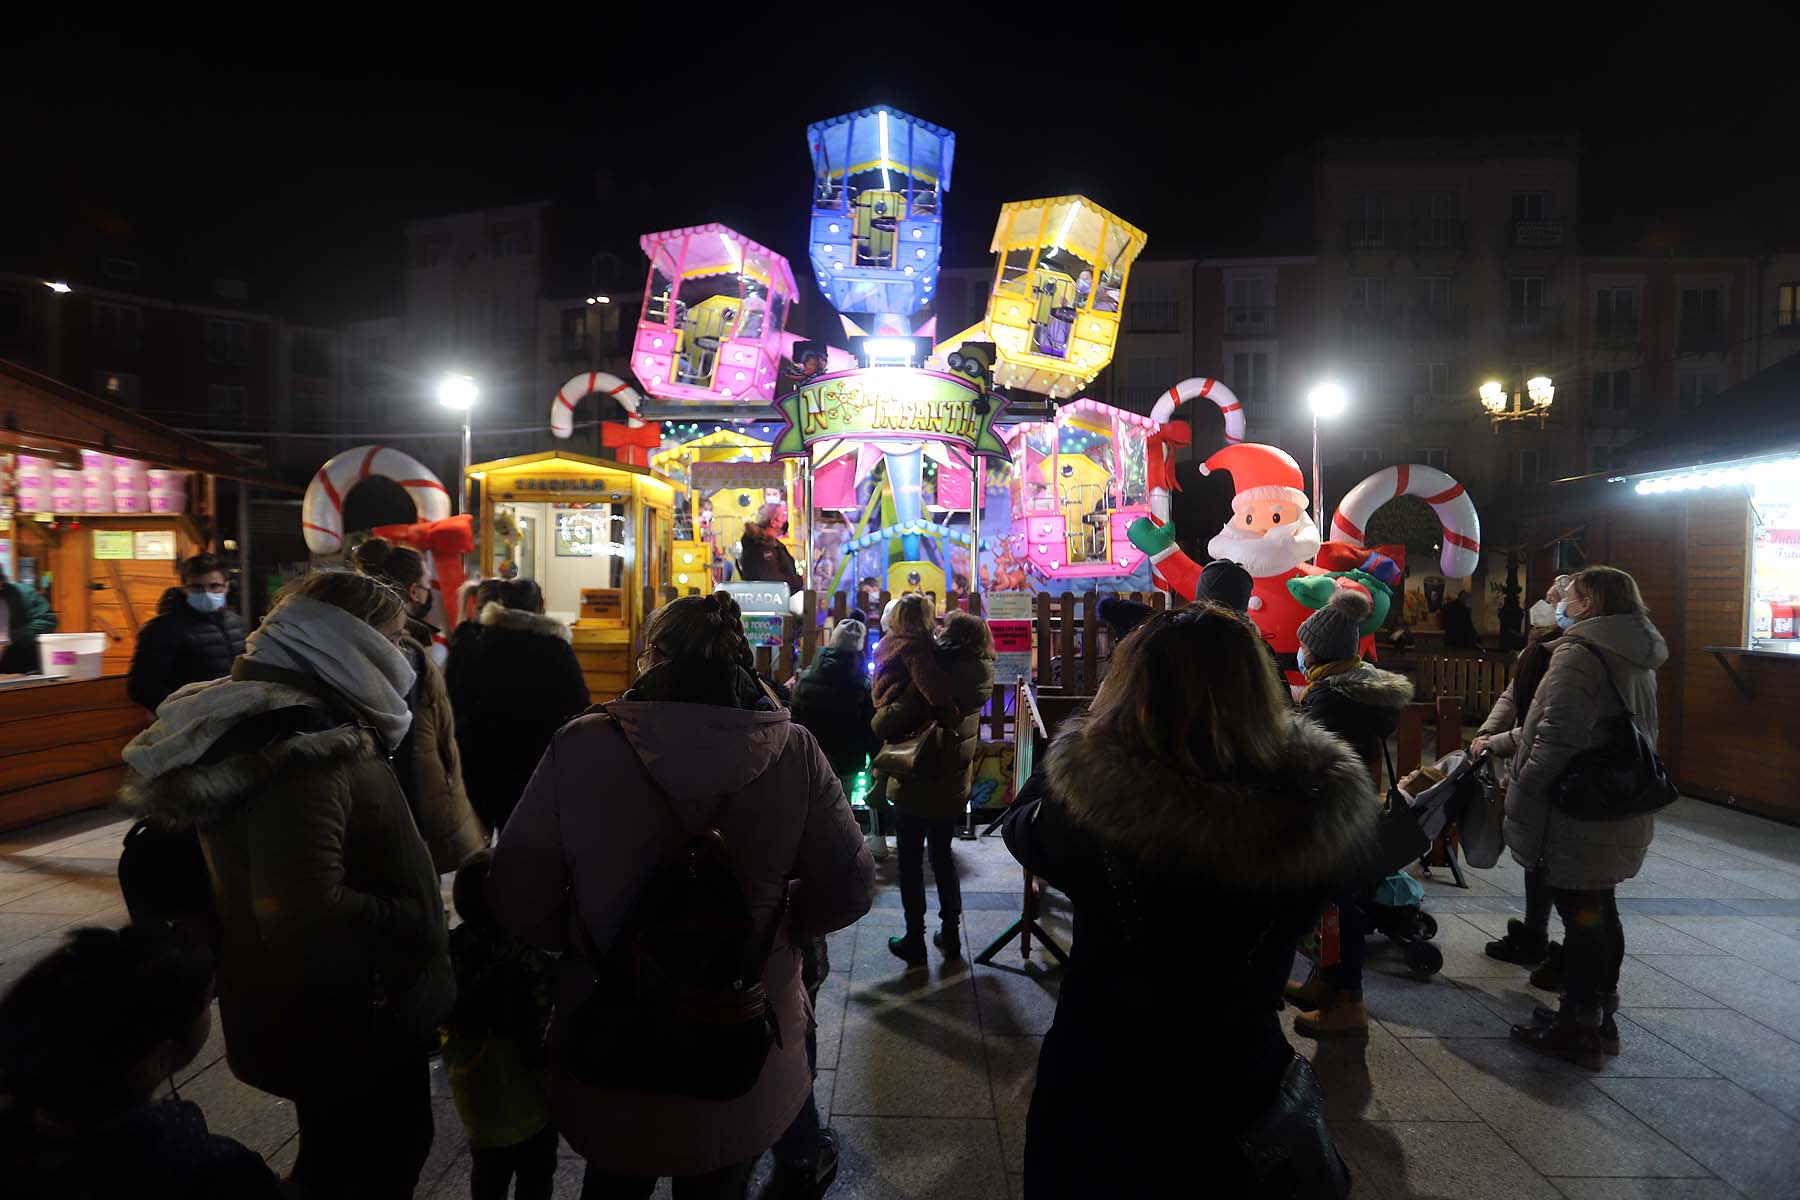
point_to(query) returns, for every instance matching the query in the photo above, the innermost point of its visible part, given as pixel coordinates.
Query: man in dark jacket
(193, 637)
(831, 699)
(26, 614)
(761, 557)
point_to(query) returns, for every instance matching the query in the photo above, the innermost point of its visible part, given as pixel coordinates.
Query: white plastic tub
(72, 655)
(168, 491)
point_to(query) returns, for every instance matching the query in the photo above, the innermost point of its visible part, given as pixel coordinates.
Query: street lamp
(1539, 391)
(1326, 400)
(459, 392)
(58, 286)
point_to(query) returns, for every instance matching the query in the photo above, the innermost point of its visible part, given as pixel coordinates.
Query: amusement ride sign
(902, 404)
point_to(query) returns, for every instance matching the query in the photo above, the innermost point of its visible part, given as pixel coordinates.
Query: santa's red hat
(1259, 472)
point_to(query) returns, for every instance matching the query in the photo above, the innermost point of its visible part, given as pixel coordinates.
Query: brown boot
(1565, 1039)
(1342, 1016)
(1311, 994)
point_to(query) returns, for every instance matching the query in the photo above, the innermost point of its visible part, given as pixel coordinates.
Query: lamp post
(1325, 400)
(1538, 390)
(458, 392)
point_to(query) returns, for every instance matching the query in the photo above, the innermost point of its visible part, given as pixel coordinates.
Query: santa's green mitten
(1312, 591)
(1151, 538)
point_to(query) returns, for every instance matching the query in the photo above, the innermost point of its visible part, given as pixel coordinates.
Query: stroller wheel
(1423, 958)
(1426, 924)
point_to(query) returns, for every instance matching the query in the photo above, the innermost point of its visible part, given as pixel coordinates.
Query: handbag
(1621, 777)
(929, 752)
(1480, 827)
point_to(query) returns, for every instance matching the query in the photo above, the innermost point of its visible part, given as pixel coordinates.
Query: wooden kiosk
(595, 534)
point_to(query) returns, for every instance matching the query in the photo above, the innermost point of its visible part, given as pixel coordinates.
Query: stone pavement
(926, 1075)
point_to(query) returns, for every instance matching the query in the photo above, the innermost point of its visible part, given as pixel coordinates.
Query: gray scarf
(345, 654)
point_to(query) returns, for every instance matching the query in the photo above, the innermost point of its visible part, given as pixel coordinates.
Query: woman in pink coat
(594, 827)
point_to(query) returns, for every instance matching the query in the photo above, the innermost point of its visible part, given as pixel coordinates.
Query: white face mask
(1542, 615)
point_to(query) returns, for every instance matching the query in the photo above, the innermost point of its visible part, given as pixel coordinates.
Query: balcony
(1621, 335)
(1250, 322)
(1544, 320)
(1427, 321)
(1152, 316)
(1440, 233)
(1535, 235)
(1370, 234)
(1701, 336)
(1361, 320)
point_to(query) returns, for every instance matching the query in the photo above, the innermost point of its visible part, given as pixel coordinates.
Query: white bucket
(130, 475)
(31, 477)
(168, 491)
(72, 655)
(94, 460)
(96, 490)
(130, 501)
(65, 491)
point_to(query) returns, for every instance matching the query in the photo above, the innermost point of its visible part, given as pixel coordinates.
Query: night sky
(292, 143)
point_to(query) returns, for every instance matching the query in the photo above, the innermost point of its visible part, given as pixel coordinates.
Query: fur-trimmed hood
(903, 660)
(498, 616)
(1306, 826)
(1370, 685)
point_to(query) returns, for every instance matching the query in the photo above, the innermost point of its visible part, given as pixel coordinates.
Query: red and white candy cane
(322, 508)
(562, 408)
(1460, 525)
(1160, 469)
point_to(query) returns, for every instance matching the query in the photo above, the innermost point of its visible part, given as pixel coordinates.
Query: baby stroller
(1394, 908)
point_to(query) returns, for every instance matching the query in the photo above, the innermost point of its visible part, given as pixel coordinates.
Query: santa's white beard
(1276, 552)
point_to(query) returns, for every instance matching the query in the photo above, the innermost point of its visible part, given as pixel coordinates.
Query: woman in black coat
(1189, 790)
(511, 689)
(831, 699)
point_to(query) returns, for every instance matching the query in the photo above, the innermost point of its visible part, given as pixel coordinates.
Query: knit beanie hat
(849, 634)
(1122, 615)
(1225, 583)
(1333, 633)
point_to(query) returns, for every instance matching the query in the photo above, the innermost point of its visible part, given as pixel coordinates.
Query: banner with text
(901, 404)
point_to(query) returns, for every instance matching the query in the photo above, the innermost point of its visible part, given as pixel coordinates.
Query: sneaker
(1564, 1039)
(806, 1181)
(878, 847)
(1520, 945)
(1343, 1017)
(1550, 975)
(949, 941)
(1609, 1029)
(1309, 995)
(909, 949)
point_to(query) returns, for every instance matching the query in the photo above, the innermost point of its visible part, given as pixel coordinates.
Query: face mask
(206, 602)
(1563, 619)
(1300, 658)
(1542, 614)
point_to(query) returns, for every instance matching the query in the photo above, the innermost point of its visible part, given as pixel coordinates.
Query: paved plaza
(926, 1074)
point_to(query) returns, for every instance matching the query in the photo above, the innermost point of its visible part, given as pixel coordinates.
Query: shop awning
(1759, 416)
(39, 414)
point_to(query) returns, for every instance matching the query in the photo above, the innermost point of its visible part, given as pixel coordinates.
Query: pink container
(130, 475)
(65, 491)
(94, 460)
(168, 491)
(96, 490)
(124, 501)
(32, 479)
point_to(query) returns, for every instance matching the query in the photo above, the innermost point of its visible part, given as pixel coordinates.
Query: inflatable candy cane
(1455, 511)
(562, 408)
(322, 508)
(1159, 469)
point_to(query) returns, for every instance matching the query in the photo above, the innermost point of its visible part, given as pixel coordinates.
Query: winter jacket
(1570, 714)
(1141, 848)
(762, 558)
(430, 769)
(179, 646)
(1362, 706)
(160, 1150)
(334, 961)
(831, 699)
(28, 616)
(1502, 724)
(617, 794)
(512, 688)
(944, 796)
(494, 1040)
(903, 662)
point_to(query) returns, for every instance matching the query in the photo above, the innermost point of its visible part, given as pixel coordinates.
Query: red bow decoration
(634, 443)
(1159, 464)
(446, 541)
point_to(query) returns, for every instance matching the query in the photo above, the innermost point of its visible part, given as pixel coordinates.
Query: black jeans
(370, 1139)
(1593, 949)
(533, 1161)
(1537, 901)
(1346, 975)
(913, 833)
(728, 1183)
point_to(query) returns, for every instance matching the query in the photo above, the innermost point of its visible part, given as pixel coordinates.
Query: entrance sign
(901, 404)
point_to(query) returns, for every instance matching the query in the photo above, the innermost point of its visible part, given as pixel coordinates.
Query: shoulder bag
(930, 752)
(1621, 777)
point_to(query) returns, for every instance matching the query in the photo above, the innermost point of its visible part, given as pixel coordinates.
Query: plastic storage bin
(72, 655)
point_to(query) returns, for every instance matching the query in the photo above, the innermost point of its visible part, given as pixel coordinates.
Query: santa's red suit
(1262, 475)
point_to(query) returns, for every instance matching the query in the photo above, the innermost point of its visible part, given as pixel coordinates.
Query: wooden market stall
(1706, 517)
(595, 534)
(77, 527)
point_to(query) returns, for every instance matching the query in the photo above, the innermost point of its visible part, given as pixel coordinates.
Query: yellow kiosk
(595, 534)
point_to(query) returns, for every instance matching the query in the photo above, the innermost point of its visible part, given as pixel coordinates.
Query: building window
(118, 387)
(1366, 292)
(574, 332)
(311, 356)
(1248, 309)
(1367, 383)
(1152, 307)
(227, 342)
(123, 269)
(1434, 292)
(1367, 227)
(1615, 313)
(1433, 456)
(513, 243)
(1364, 457)
(375, 349)
(1525, 302)
(1528, 206)
(1787, 307)
(1694, 388)
(1437, 220)
(1146, 378)
(225, 400)
(1251, 379)
(1702, 321)
(119, 326)
(430, 250)
(1437, 380)
(1528, 466)
(1612, 391)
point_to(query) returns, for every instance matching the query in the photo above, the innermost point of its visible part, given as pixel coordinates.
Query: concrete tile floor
(927, 1075)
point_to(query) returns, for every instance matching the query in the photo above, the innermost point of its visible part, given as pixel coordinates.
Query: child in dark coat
(494, 1047)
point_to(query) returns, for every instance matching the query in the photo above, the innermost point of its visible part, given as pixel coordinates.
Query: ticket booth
(595, 534)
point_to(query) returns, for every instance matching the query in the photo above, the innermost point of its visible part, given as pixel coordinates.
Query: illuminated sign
(890, 403)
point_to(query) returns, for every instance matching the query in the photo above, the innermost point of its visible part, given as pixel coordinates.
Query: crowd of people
(642, 889)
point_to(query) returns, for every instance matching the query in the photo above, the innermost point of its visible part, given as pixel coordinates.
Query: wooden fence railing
(1478, 679)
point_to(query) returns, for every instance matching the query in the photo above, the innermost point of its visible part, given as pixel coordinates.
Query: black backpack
(165, 880)
(679, 1006)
